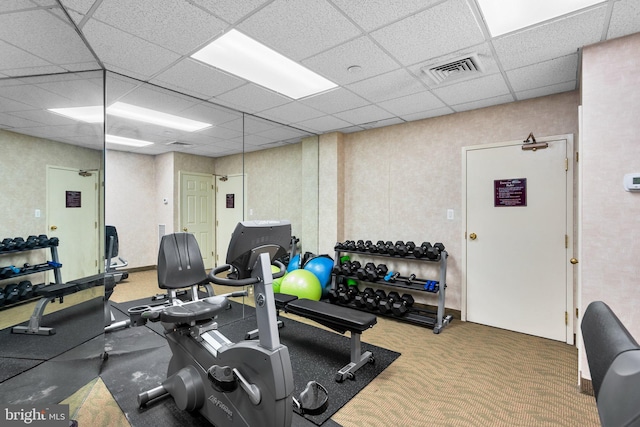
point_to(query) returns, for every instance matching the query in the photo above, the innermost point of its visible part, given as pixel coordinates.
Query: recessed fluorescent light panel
(244, 57)
(128, 111)
(92, 114)
(505, 16)
(120, 140)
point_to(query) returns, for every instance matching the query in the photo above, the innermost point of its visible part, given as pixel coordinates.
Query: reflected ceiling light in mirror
(120, 140)
(147, 115)
(244, 57)
(505, 16)
(91, 114)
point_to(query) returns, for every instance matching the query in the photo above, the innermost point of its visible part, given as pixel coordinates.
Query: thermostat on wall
(632, 181)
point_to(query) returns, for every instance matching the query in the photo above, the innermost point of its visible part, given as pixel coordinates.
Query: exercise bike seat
(191, 312)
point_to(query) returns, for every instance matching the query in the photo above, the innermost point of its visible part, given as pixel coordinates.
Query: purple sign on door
(73, 199)
(510, 192)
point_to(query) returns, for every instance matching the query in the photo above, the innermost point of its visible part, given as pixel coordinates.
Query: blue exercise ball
(294, 264)
(321, 267)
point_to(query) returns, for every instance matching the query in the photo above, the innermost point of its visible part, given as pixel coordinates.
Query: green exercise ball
(301, 283)
(278, 281)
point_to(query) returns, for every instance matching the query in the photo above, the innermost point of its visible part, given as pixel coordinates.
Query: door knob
(53, 228)
(573, 261)
(184, 229)
(473, 236)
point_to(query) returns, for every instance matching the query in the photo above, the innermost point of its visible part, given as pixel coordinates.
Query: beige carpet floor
(468, 375)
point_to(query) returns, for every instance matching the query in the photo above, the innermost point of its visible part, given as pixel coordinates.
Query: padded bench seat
(340, 319)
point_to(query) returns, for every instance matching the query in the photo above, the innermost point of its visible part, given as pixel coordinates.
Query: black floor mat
(10, 367)
(138, 362)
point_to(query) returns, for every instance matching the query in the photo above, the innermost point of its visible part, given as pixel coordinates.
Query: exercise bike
(248, 383)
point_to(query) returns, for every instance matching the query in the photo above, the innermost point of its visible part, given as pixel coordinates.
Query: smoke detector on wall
(459, 68)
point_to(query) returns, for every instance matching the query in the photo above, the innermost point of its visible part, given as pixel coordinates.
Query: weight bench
(50, 292)
(614, 363)
(340, 319)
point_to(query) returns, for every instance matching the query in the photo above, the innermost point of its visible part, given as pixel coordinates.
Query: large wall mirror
(55, 165)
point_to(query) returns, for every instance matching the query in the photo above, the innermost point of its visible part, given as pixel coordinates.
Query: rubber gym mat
(74, 325)
(10, 367)
(56, 379)
(316, 354)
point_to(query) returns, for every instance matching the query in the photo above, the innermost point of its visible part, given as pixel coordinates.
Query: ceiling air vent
(464, 67)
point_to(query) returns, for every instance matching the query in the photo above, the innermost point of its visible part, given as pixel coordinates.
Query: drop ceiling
(378, 52)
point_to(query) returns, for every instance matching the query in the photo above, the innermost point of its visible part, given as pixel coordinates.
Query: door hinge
(577, 313)
(566, 163)
(96, 263)
(566, 318)
(95, 224)
(566, 241)
(577, 157)
(212, 187)
(216, 222)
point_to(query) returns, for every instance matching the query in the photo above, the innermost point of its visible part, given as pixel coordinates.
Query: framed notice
(231, 201)
(73, 199)
(510, 192)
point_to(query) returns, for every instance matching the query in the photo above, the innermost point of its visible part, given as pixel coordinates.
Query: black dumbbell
(2, 300)
(20, 243)
(350, 245)
(380, 246)
(9, 271)
(391, 248)
(400, 248)
(360, 300)
(11, 293)
(31, 242)
(381, 271)
(25, 290)
(54, 241)
(401, 306)
(368, 272)
(421, 251)
(360, 246)
(373, 299)
(434, 251)
(350, 268)
(385, 305)
(346, 293)
(410, 246)
(8, 244)
(370, 247)
(43, 240)
(339, 246)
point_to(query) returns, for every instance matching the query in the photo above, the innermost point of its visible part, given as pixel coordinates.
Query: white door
(72, 215)
(518, 229)
(196, 211)
(230, 206)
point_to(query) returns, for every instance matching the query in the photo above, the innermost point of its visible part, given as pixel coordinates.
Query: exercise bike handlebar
(241, 282)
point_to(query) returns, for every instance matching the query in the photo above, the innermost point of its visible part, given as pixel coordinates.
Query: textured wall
(400, 180)
(610, 247)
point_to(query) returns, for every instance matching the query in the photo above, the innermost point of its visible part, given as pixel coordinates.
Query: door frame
(218, 230)
(571, 287)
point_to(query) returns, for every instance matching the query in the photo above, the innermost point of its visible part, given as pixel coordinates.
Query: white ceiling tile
(17, 124)
(334, 101)
(210, 113)
(387, 86)
(376, 13)
(382, 123)
(334, 63)
(47, 37)
(473, 90)
(162, 22)
(482, 103)
(428, 114)
(80, 6)
(292, 112)
(323, 124)
(546, 73)
(251, 98)
(366, 114)
(447, 27)
(160, 99)
(34, 96)
(625, 18)
(18, 58)
(547, 90)
(13, 5)
(194, 78)
(299, 29)
(8, 105)
(410, 104)
(230, 10)
(32, 71)
(126, 54)
(551, 40)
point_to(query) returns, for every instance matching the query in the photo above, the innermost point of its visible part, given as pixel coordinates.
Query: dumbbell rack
(416, 316)
(54, 258)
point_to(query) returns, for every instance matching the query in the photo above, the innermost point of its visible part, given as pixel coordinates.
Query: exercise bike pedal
(313, 400)
(222, 378)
